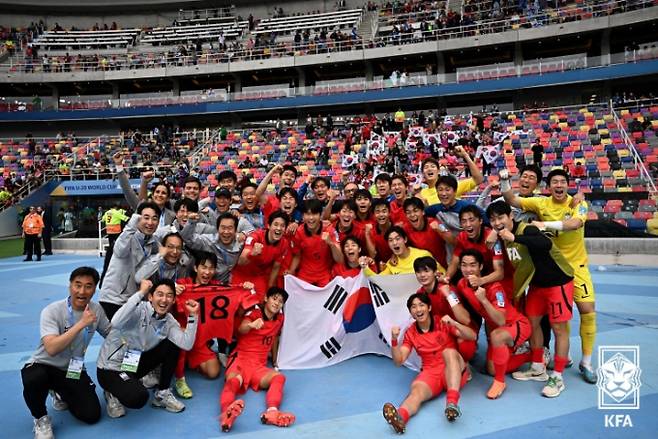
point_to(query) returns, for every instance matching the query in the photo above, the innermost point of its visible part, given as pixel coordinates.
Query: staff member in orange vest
(32, 228)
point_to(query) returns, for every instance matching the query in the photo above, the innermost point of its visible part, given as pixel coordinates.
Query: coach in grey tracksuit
(149, 328)
(223, 243)
(135, 244)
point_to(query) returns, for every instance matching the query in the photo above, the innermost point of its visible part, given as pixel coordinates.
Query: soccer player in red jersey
(345, 224)
(258, 335)
(205, 360)
(426, 233)
(399, 187)
(353, 259)
(507, 328)
(474, 235)
(363, 200)
(315, 247)
(376, 244)
(261, 257)
(445, 301)
(443, 368)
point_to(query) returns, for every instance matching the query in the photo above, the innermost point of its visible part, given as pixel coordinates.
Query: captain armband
(554, 225)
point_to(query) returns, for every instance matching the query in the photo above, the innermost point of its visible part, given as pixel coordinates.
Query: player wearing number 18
(258, 335)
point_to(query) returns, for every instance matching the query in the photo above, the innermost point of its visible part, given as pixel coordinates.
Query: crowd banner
(328, 325)
(346, 318)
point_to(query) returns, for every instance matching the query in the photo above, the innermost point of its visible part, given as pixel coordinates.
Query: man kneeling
(258, 334)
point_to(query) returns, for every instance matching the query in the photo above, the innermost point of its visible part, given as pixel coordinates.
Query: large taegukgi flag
(346, 318)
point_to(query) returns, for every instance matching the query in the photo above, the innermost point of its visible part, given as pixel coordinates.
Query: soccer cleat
(531, 375)
(165, 399)
(278, 418)
(393, 417)
(58, 402)
(183, 389)
(588, 374)
(151, 379)
(452, 412)
(43, 428)
(496, 390)
(231, 413)
(114, 407)
(553, 387)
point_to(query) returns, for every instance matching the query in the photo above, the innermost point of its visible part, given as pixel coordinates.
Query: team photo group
(204, 285)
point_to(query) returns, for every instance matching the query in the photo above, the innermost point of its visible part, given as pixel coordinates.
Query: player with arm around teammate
(258, 335)
(435, 341)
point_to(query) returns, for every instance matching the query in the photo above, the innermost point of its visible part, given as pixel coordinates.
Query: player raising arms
(567, 223)
(435, 341)
(258, 335)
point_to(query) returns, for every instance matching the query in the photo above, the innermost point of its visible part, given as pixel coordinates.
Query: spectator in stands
(537, 154)
(579, 170)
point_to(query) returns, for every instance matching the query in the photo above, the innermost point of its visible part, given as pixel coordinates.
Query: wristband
(554, 225)
(191, 319)
(452, 298)
(394, 343)
(505, 185)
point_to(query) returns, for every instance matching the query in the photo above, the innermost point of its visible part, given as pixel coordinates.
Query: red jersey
(490, 255)
(397, 212)
(255, 345)
(496, 295)
(271, 204)
(369, 220)
(357, 230)
(384, 252)
(315, 255)
(430, 345)
(342, 270)
(217, 310)
(440, 305)
(259, 267)
(427, 239)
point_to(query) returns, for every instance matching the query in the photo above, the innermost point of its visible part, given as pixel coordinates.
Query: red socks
(452, 396)
(516, 361)
(404, 414)
(560, 363)
(538, 355)
(275, 392)
(231, 388)
(500, 356)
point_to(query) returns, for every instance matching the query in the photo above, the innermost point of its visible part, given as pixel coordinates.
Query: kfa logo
(619, 382)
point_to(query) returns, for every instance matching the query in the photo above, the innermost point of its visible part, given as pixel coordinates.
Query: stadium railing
(413, 79)
(159, 59)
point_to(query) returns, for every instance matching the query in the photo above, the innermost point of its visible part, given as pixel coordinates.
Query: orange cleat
(496, 390)
(278, 418)
(231, 413)
(393, 417)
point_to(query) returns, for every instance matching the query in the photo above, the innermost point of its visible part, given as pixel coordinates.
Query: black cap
(223, 192)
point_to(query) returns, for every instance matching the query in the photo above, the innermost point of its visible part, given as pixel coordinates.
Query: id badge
(75, 368)
(131, 360)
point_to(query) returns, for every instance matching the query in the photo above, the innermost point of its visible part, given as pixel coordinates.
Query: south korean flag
(327, 325)
(389, 297)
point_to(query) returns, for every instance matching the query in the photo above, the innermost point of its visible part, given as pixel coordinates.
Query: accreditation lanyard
(86, 333)
(163, 268)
